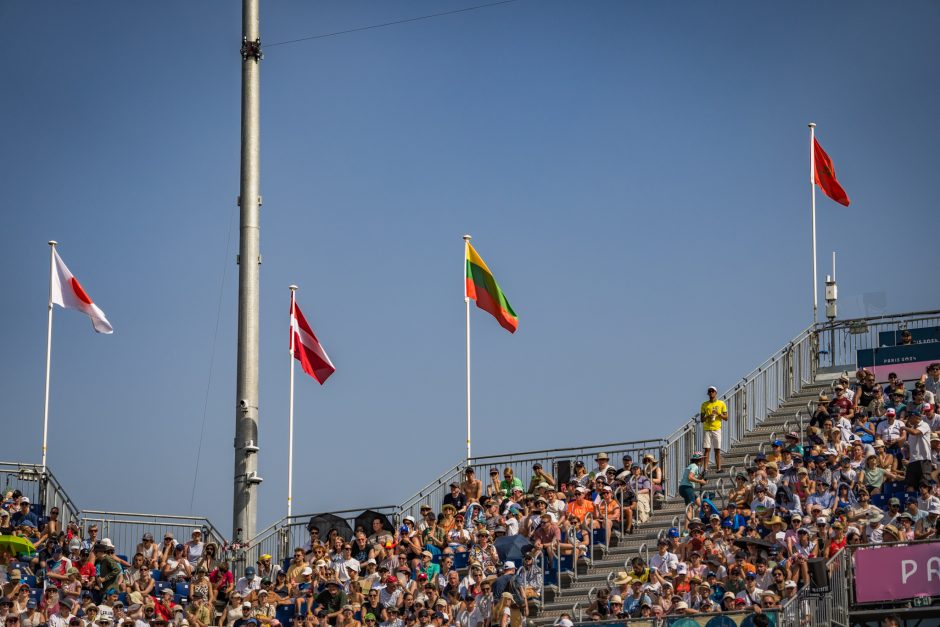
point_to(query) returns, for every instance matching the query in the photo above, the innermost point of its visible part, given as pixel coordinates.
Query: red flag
(826, 175)
(307, 349)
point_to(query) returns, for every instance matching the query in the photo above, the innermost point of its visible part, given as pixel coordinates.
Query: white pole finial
(467, 238)
(293, 288)
(812, 125)
(52, 242)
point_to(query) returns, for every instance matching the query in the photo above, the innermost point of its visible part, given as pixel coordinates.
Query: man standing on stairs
(712, 412)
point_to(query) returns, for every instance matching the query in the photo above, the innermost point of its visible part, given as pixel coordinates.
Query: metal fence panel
(126, 529)
(28, 479)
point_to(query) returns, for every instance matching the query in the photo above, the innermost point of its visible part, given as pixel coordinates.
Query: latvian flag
(306, 347)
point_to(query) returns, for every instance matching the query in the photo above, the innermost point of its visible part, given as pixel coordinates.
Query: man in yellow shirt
(712, 412)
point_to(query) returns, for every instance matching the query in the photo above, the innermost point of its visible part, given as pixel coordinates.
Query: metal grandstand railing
(279, 539)
(838, 342)
(785, 373)
(749, 402)
(40, 488)
(126, 529)
(723, 618)
(559, 462)
(815, 607)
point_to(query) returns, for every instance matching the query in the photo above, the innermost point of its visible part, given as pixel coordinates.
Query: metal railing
(809, 607)
(840, 341)
(41, 489)
(282, 537)
(749, 403)
(126, 529)
(735, 618)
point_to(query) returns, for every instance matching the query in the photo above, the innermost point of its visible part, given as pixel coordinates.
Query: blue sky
(635, 174)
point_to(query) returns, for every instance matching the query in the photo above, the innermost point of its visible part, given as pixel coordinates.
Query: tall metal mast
(249, 260)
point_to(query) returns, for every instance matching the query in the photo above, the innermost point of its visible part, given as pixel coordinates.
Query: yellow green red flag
(482, 287)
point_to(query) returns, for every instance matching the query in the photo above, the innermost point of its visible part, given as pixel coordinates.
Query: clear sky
(634, 173)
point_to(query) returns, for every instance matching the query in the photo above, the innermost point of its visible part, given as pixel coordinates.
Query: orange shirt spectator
(580, 507)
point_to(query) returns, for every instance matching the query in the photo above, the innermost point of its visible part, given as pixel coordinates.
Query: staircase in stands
(577, 592)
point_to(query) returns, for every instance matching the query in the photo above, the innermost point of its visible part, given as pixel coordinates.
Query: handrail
(634, 444)
(96, 512)
(30, 480)
(542, 587)
(909, 317)
(577, 608)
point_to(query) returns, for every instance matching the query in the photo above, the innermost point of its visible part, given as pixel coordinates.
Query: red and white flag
(67, 292)
(307, 349)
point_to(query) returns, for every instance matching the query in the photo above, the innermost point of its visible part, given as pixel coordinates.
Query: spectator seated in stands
(864, 470)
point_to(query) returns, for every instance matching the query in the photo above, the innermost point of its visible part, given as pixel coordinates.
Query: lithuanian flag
(482, 287)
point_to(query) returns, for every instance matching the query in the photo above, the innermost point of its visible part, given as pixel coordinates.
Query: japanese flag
(67, 292)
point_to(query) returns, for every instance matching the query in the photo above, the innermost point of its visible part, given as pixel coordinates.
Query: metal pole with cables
(246, 478)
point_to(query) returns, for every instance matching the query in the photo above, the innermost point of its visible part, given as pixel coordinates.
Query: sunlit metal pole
(249, 262)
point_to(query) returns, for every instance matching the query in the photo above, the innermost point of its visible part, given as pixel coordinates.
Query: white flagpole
(45, 411)
(290, 428)
(812, 186)
(466, 298)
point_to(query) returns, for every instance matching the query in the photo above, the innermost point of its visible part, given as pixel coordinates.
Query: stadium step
(574, 592)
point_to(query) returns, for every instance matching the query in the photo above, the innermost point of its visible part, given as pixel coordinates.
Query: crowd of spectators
(864, 471)
(440, 567)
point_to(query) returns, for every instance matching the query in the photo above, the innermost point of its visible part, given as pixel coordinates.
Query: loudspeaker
(818, 574)
(562, 472)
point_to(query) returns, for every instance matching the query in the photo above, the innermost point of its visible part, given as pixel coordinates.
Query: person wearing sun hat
(691, 478)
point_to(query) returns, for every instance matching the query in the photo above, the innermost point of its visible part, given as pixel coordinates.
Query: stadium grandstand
(823, 509)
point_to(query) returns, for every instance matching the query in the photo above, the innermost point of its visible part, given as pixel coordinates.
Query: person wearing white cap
(711, 413)
(506, 584)
(24, 516)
